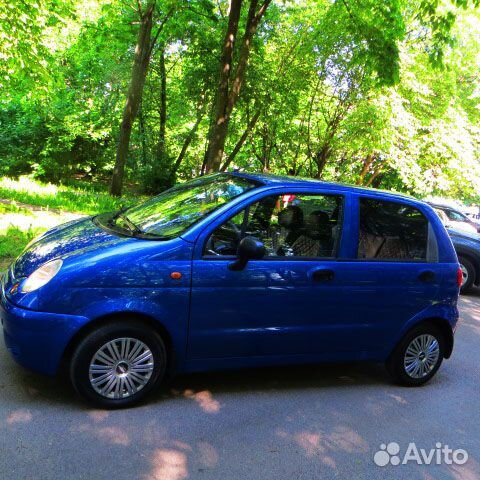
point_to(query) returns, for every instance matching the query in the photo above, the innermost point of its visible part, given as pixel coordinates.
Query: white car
(454, 219)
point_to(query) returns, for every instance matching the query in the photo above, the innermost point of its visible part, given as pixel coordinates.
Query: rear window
(394, 231)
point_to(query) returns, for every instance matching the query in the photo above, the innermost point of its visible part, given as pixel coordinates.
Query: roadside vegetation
(81, 199)
(151, 92)
(28, 207)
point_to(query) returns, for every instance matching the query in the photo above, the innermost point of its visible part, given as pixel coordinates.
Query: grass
(49, 205)
(61, 197)
(14, 208)
(13, 240)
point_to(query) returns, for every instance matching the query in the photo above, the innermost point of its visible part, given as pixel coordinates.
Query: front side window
(393, 231)
(174, 211)
(289, 225)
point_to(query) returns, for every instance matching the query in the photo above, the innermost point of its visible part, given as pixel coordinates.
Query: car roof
(292, 182)
(445, 207)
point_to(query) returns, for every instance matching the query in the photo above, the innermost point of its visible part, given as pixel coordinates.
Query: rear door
(393, 272)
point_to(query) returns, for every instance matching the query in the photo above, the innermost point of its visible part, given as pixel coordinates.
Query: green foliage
(14, 239)
(82, 200)
(380, 93)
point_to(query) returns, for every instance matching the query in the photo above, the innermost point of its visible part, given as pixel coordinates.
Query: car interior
(391, 231)
(288, 225)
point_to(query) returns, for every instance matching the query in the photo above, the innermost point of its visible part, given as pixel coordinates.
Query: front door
(290, 302)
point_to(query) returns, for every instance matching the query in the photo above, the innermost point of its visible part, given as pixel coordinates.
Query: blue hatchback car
(235, 270)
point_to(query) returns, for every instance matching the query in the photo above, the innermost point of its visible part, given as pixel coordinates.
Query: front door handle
(427, 276)
(323, 275)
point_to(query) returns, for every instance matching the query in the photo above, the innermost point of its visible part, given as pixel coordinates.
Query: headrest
(318, 224)
(291, 217)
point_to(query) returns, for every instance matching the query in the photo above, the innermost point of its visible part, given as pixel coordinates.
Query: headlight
(41, 276)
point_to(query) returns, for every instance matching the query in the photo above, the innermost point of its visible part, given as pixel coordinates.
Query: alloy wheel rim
(464, 274)
(421, 356)
(121, 368)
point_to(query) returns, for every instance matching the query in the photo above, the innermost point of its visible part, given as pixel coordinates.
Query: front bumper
(37, 340)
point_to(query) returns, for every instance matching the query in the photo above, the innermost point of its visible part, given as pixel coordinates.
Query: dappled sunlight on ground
(204, 399)
(340, 439)
(98, 415)
(469, 471)
(113, 435)
(398, 398)
(19, 416)
(326, 445)
(168, 464)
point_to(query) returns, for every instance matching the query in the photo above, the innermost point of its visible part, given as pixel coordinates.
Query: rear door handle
(323, 275)
(427, 276)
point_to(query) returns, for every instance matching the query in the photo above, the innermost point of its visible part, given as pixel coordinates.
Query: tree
(143, 50)
(229, 87)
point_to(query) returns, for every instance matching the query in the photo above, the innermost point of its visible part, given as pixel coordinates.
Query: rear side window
(394, 231)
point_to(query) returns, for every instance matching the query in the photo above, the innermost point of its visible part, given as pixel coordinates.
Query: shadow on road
(475, 292)
(301, 377)
(58, 391)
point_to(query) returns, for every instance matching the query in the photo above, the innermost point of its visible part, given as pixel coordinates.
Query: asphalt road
(296, 423)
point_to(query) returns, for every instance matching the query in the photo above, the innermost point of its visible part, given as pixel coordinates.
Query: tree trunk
(141, 122)
(187, 142)
(217, 128)
(367, 163)
(163, 111)
(227, 97)
(134, 96)
(321, 158)
(241, 141)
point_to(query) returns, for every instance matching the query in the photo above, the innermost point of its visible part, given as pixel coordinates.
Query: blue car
(467, 246)
(234, 270)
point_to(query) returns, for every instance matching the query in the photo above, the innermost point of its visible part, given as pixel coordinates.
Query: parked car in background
(455, 219)
(230, 271)
(467, 246)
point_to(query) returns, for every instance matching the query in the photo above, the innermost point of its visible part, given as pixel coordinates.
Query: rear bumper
(37, 340)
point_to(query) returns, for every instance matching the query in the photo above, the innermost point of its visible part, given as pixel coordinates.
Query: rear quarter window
(394, 231)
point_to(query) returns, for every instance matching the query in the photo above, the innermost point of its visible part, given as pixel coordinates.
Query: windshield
(173, 211)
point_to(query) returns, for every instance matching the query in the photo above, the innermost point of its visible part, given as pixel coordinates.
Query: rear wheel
(418, 356)
(468, 274)
(118, 364)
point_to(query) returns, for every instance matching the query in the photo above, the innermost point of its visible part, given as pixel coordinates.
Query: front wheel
(418, 356)
(118, 364)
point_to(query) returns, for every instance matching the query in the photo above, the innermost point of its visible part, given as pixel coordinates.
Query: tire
(468, 271)
(400, 362)
(126, 356)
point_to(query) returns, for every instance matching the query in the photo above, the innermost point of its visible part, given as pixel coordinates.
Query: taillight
(459, 277)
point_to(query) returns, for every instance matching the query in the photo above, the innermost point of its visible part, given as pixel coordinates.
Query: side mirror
(249, 248)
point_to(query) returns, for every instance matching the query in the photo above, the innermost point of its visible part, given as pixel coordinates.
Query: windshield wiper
(132, 227)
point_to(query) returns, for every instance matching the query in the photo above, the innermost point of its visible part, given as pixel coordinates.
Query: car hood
(73, 238)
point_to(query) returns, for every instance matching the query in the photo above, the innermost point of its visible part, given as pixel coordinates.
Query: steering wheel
(230, 226)
(235, 228)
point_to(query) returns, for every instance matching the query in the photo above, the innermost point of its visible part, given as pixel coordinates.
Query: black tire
(470, 269)
(115, 331)
(396, 362)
